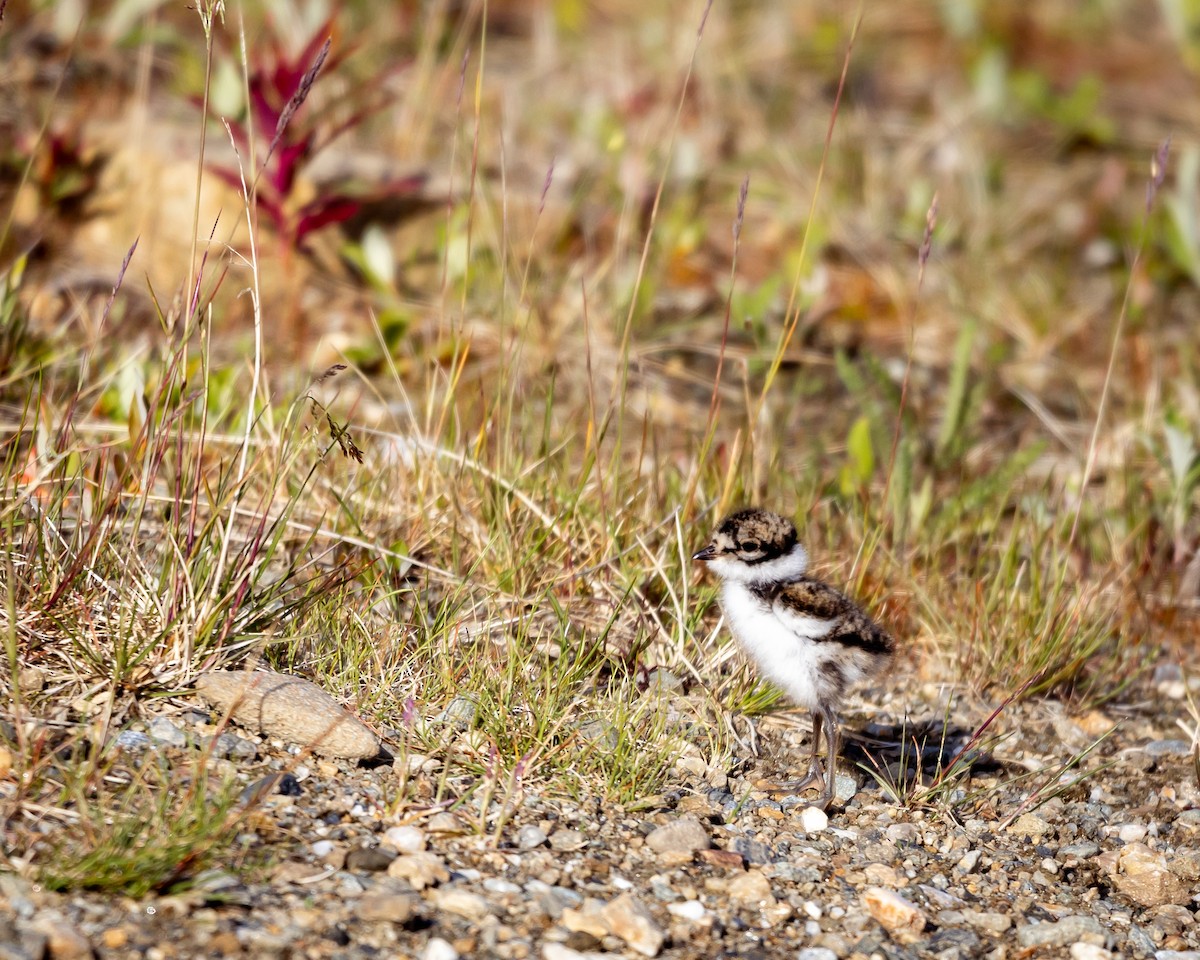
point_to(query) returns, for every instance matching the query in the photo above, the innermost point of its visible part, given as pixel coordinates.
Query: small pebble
(405, 839)
(133, 740)
(566, 841)
(687, 910)
(1131, 832)
(421, 870)
(1089, 951)
(232, 747)
(559, 951)
(446, 823)
(530, 836)
(751, 887)
(369, 859)
(844, 788)
(1061, 933)
(322, 848)
(388, 907)
(901, 918)
(902, 833)
(1168, 748)
(460, 712)
(461, 903)
(816, 953)
(683, 836)
(1030, 825)
(439, 949)
(628, 918)
(814, 820)
(164, 731)
(63, 940)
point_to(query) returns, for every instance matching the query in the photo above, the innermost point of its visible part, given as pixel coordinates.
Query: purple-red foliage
(279, 86)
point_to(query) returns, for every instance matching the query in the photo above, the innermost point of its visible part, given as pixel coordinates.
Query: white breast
(790, 655)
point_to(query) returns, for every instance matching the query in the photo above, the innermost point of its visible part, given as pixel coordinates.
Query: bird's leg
(831, 730)
(815, 774)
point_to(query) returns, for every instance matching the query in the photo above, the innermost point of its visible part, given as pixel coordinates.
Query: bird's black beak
(706, 554)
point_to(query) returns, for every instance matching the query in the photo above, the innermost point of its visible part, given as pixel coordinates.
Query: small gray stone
(663, 680)
(446, 823)
(133, 740)
(566, 841)
(16, 890)
(994, 923)
(1139, 941)
(369, 859)
(949, 943)
(460, 712)
(500, 887)
(215, 880)
(902, 833)
(1061, 933)
(685, 835)
(232, 747)
(600, 733)
(461, 903)
(554, 900)
(844, 788)
(968, 862)
(1185, 863)
(387, 907)
(755, 851)
(164, 731)
(1177, 955)
(1168, 748)
(816, 953)
(1168, 673)
(1030, 825)
(530, 837)
(63, 940)
(1080, 851)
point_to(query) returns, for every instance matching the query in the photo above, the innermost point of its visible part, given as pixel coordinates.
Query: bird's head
(755, 546)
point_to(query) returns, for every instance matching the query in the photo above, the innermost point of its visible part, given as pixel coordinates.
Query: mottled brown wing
(859, 630)
(812, 598)
(805, 604)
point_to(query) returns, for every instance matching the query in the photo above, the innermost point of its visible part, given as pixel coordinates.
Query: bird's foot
(816, 775)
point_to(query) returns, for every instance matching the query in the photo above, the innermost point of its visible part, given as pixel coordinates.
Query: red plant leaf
(325, 211)
(288, 161)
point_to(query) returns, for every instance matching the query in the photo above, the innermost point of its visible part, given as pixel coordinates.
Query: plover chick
(808, 638)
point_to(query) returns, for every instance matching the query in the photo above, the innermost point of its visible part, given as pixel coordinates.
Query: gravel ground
(714, 866)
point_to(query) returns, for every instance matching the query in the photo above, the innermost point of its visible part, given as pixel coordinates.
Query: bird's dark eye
(751, 546)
